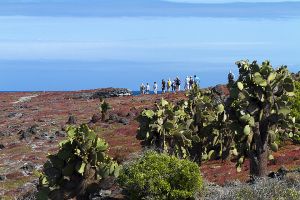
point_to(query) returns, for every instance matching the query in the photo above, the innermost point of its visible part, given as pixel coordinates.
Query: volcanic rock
(2, 177)
(124, 121)
(114, 117)
(280, 173)
(60, 133)
(72, 120)
(15, 115)
(33, 129)
(28, 167)
(24, 135)
(96, 118)
(103, 93)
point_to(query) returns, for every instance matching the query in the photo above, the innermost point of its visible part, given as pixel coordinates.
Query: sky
(80, 44)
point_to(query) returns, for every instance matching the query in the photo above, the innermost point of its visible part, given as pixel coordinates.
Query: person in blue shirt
(197, 80)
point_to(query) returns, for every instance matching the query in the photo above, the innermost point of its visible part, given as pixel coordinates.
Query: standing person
(191, 82)
(163, 86)
(142, 89)
(187, 83)
(230, 78)
(155, 87)
(147, 88)
(178, 83)
(173, 86)
(197, 80)
(169, 84)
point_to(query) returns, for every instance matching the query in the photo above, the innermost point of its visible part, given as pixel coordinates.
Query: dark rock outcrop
(33, 130)
(96, 118)
(117, 119)
(2, 134)
(124, 121)
(60, 134)
(72, 120)
(103, 93)
(15, 115)
(28, 167)
(2, 177)
(280, 173)
(24, 135)
(2, 146)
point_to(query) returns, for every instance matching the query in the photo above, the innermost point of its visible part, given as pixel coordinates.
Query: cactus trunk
(259, 155)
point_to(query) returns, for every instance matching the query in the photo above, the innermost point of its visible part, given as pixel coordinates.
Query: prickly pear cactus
(167, 128)
(81, 161)
(259, 104)
(211, 125)
(196, 128)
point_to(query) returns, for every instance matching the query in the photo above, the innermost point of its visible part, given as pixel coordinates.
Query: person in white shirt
(147, 88)
(155, 87)
(187, 83)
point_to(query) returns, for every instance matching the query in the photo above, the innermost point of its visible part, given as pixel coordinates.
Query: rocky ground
(31, 127)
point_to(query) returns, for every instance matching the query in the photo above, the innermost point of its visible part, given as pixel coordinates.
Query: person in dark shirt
(163, 86)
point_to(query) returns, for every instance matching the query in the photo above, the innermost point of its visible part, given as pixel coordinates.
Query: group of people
(170, 86)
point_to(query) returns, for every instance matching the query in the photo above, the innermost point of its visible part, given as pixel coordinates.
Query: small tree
(104, 107)
(259, 106)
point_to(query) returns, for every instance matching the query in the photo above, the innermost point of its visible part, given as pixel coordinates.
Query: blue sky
(80, 44)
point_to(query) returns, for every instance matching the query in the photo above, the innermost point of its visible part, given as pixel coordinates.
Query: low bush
(160, 176)
(262, 189)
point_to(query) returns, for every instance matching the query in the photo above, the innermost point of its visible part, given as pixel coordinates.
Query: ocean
(58, 51)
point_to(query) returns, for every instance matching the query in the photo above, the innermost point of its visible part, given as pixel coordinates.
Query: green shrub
(161, 177)
(261, 189)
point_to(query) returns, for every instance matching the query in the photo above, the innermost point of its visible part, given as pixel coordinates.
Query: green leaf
(274, 147)
(80, 167)
(101, 145)
(284, 111)
(100, 156)
(240, 85)
(62, 143)
(196, 138)
(112, 168)
(117, 171)
(168, 125)
(234, 152)
(247, 130)
(259, 80)
(164, 102)
(271, 77)
(44, 181)
(71, 131)
(210, 154)
(241, 160)
(220, 108)
(148, 113)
